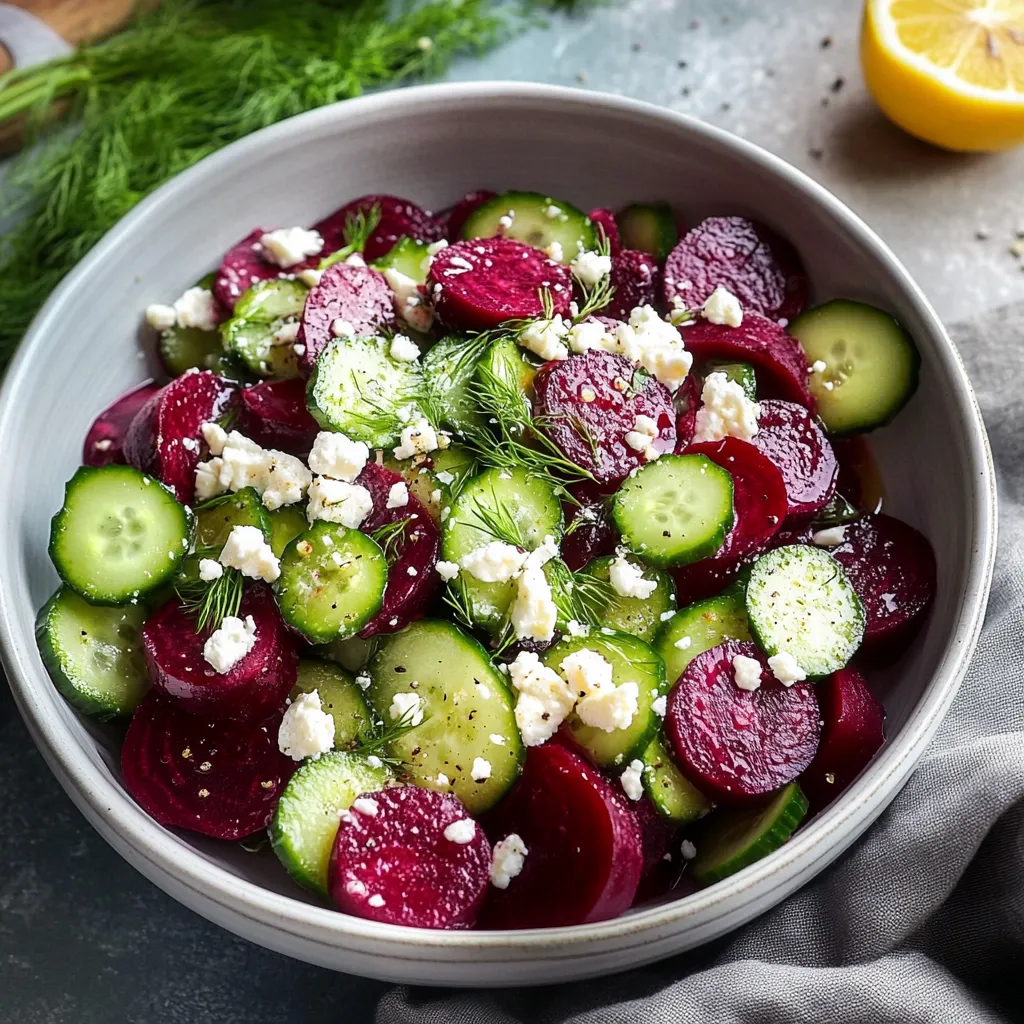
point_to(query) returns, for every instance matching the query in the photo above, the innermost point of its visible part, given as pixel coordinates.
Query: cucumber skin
(622, 612)
(243, 508)
(731, 601)
(335, 684)
(658, 221)
(700, 805)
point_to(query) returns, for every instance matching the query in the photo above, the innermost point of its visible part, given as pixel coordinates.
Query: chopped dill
(212, 602)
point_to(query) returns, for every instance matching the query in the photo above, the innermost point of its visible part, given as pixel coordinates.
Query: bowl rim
(821, 840)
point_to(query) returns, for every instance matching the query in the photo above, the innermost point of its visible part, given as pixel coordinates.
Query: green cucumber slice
(339, 696)
(286, 523)
(632, 661)
(673, 795)
(353, 654)
(699, 627)
(734, 839)
(216, 518)
(871, 364)
(506, 361)
(436, 479)
(640, 617)
(533, 219)
(408, 256)
(466, 706)
(448, 374)
(93, 653)
(260, 312)
(185, 348)
(800, 602)
(357, 388)
(332, 582)
(306, 820)
(740, 373)
(649, 228)
(676, 510)
(120, 534)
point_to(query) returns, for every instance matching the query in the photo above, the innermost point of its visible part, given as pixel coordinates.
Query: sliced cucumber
(408, 256)
(533, 219)
(649, 228)
(800, 602)
(286, 523)
(871, 364)
(532, 511)
(93, 654)
(185, 348)
(640, 617)
(466, 706)
(353, 653)
(339, 696)
(306, 820)
(215, 519)
(437, 478)
(505, 361)
(262, 311)
(676, 510)
(357, 388)
(120, 534)
(734, 839)
(448, 374)
(673, 795)
(699, 627)
(332, 582)
(632, 661)
(740, 373)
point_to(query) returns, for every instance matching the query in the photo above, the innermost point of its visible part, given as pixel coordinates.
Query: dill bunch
(118, 118)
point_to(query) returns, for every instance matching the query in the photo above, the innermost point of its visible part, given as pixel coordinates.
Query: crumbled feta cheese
(666, 615)
(376, 901)
(286, 334)
(374, 761)
(830, 538)
(419, 438)
(409, 302)
(588, 335)
(338, 501)
(587, 672)
(210, 569)
(726, 411)
(785, 668)
(406, 706)
(577, 628)
(688, 850)
(445, 477)
(552, 211)
(366, 805)
(341, 328)
(215, 436)
(627, 579)
(230, 643)
(747, 672)
(644, 433)
(306, 729)
(632, 779)
(398, 495)
(505, 220)
(590, 268)
(533, 614)
(507, 860)
(288, 246)
(543, 701)
(196, 308)
(443, 780)
(481, 770)
(722, 307)
(495, 562)
(363, 681)
(161, 317)
(404, 349)
(247, 551)
(335, 455)
(447, 570)
(554, 251)
(660, 705)
(655, 344)
(496, 739)
(683, 643)
(546, 338)
(461, 831)
(310, 278)
(543, 553)
(435, 247)
(819, 366)
(611, 708)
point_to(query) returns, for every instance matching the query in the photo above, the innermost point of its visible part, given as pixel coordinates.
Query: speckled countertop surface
(85, 939)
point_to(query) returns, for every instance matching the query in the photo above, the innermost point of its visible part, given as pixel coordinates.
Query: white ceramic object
(433, 144)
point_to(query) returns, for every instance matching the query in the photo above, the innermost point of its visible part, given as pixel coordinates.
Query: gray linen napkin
(923, 920)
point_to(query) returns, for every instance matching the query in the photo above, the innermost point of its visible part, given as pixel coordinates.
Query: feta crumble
(336, 455)
(160, 316)
(210, 569)
(461, 831)
(398, 495)
(819, 366)
(589, 335)
(306, 729)
(683, 643)
(311, 277)
(447, 570)
(747, 672)
(288, 246)
(722, 307)
(660, 705)
(409, 302)
(419, 438)
(481, 770)
(230, 643)
(507, 860)
(590, 268)
(533, 614)
(247, 551)
(546, 338)
(627, 579)
(336, 501)
(555, 252)
(610, 709)
(829, 538)
(726, 411)
(406, 706)
(544, 698)
(644, 433)
(495, 562)
(366, 805)
(404, 349)
(197, 308)
(632, 779)
(341, 328)
(376, 901)
(688, 850)
(785, 668)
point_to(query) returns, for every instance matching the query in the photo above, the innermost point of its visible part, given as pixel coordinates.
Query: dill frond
(390, 538)
(377, 737)
(211, 603)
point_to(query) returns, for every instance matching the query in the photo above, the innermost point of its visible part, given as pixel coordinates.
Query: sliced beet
(398, 218)
(860, 480)
(687, 399)
(165, 437)
(593, 433)
(796, 443)
(274, 414)
(350, 292)
(596, 534)
(892, 568)
(220, 778)
(478, 284)
(635, 276)
(396, 864)
(776, 356)
(250, 690)
(105, 441)
(407, 594)
(585, 846)
(736, 744)
(852, 733)
(761, 269)
(604, 221)
(458, 214)
(706, 578)
(245, 264)
(657, 833)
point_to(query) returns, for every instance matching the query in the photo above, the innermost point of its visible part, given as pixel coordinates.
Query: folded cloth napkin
(923, 920)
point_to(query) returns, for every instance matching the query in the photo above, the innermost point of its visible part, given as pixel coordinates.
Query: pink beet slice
(892, 568)
(250, 690)
(593, 433)
(635, 277)
(852, 733)
(457, 215)
(736, 744)
(407, 593)
(398, 217)
(165, 437)
(219, 778)
(761, 269)
(687, 403)
(795, 442)
(478, 284)
(350, 292)
(585, 846)
(245, 264)
(596, 535)
(778, 358)
(397, 866)
(604, 221)
(105, 441)
(274, 414)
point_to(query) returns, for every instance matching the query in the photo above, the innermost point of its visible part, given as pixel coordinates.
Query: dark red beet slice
(477, 284)
(105, 441)
(892, 568)
(604, 221)
(251, 689)
(735, 744)
(349, 292)
(657, 833)
(778, 358)
(407, 594)
(457, 215)
(852, 733)
(397, 866)
(795, 442)
(596, 535)
(398, 217)
(244, 264)
(687, 403)
(860, 480)
(635, 277)
(761, 269)
(585, 847)
(165, 438)
(706, 578)
(601, 448)
(274, 414)
(219, 778)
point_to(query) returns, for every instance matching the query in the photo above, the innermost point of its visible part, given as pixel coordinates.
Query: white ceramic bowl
(433, 144)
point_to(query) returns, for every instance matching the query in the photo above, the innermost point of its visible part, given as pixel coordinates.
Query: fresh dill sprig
(497, 522)
(457, 598)
(391, 537)
(377, 737)
(577, 596)
(358, 228)
(211, 603)
(547, 302)
(596, 296)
